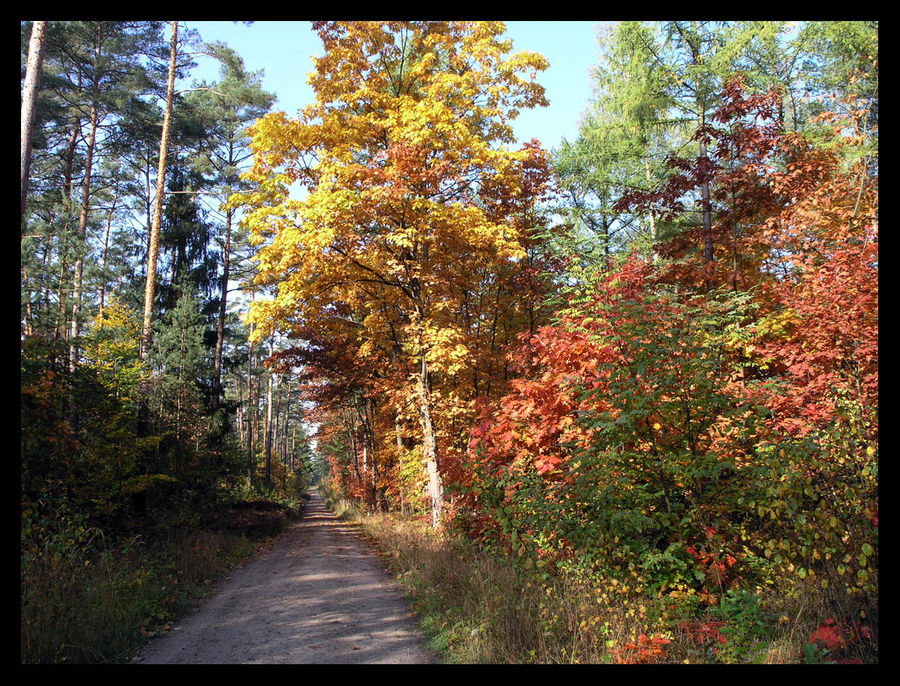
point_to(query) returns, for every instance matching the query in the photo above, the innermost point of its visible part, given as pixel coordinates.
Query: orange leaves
(644, 650)
(547, 464)
(404, 253)
(832, 348)
(531, 425)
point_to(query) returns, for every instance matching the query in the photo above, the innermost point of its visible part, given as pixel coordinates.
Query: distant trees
(657, 85)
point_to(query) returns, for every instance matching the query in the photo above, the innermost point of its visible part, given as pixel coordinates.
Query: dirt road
(319, 595)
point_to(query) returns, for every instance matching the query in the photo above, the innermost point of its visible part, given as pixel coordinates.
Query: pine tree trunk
(82, 245)
(33, 70)
(61, 299)
(153, 252)
(240, 413)
(251, 413)
(83, 221)
(109, 218)
(223, 308)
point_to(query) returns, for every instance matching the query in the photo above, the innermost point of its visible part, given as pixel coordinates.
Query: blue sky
(283, 50)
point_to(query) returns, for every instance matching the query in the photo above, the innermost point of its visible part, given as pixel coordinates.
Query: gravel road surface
(319, 595)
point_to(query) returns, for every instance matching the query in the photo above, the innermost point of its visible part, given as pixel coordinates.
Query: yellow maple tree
(377, 210)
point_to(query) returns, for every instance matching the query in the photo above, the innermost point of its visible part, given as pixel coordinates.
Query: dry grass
(483, 608)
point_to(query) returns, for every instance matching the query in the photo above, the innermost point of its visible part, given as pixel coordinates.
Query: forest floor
(317, 595)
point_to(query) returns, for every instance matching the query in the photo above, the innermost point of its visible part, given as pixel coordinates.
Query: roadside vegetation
(480, 605)
(87, 598)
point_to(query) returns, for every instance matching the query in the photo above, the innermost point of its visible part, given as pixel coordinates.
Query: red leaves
(599, 411)
(837, 638)
(834, 348)
(527, 425)
(704, 633)
(717, 568)
(828, 635)
(791, 218)
(545, 464)
(833, 633)
(645, 650)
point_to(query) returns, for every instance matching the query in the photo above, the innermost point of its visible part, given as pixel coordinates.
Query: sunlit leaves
(391, 216)
(711, 436)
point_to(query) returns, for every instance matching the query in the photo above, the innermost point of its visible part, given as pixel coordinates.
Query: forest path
(319, 595)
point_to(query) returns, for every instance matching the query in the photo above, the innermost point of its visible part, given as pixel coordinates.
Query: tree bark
(240, 413)
(109, 218)
(276, 428)
(653, 230)
(708, 247)
(287, 456)
(153, 252)
(268, 436)
(61, 294)
(398, 433)
(82, 224)
(707, 214)
(93, 125)
(349, 420)
(223, 308)
(33, 70)
(429, 445)
(370, 435)
(251, 412)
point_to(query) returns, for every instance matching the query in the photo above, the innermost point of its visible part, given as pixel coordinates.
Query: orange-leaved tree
(406, 161)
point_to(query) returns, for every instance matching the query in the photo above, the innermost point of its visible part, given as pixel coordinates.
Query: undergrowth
(481, 606)
(87, 599)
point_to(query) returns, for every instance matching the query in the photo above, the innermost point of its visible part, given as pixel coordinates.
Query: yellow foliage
(388, 215)
(409, 119)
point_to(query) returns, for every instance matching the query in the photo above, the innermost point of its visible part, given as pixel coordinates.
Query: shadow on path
(319, 595)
